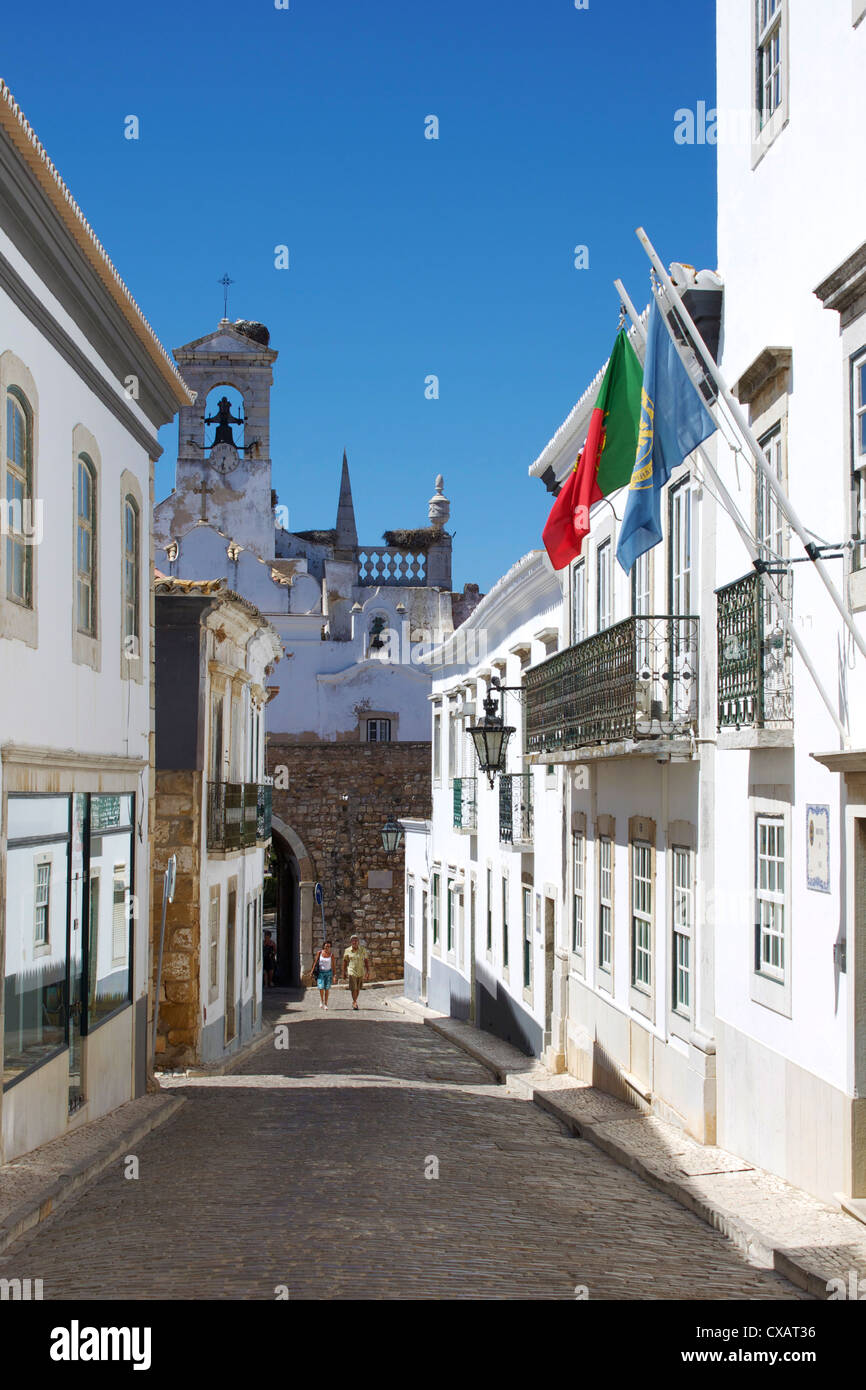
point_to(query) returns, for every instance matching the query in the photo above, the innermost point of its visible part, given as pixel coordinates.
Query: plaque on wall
(818, 848)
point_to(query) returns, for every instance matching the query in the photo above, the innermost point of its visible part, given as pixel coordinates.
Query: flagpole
(746, 535)
(748, 435)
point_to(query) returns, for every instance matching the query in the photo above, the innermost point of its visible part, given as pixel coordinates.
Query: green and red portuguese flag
(607, 459)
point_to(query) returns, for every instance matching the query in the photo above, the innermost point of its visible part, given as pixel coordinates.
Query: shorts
(324, 978)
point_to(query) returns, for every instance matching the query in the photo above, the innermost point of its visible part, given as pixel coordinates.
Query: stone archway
(296, 930)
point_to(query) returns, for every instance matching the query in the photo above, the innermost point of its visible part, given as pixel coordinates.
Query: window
(489, 909)
(858, 450)
(769, 75)
(410, 914)
(769, 525)
(641, 601)
(452, 743)
(680, 531)
(605, 902)
(578, 861)
(527, 938)
(19, 499)
(683, 920)
(111, 903)
(435, 909)
(216, 738)
(213, 939)
(578, 602)
(85, 547)
(119, 915)
(131, 568)
(449, 939)
(641, 915)
(251, 908)
(770, 894)
(437, 748)
(378, 731)
(641, 606)
(504, 922)
(42, 907)
(604, 586)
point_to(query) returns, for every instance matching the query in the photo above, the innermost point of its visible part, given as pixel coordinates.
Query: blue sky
(408, 257)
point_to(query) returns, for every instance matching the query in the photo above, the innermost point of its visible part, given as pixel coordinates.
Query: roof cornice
(30, 152)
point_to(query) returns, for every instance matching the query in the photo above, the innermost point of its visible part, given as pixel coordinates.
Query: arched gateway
(295, 917)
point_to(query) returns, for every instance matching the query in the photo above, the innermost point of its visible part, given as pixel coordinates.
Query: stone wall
(176, 830)
(338, 797)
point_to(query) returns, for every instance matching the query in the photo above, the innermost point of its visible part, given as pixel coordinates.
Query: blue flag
(673, 422)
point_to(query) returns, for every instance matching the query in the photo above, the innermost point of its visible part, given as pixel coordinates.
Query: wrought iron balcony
(636, 680)
(515, 808)
(754, 654)
(236, 813)
(465, 791)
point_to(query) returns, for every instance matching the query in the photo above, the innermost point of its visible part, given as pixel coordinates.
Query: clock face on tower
(224, 458)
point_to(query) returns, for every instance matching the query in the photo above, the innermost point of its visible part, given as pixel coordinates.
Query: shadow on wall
(498, 1013)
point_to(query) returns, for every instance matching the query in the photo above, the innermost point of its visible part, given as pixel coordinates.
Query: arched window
(19, 499)
(131, 634)
(85, 550)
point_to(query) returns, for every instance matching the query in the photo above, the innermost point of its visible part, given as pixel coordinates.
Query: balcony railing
(754, 652)
(636, 680)
(515, 808)
(465, 791)
(238, 814)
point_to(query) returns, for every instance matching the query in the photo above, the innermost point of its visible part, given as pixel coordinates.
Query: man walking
(356, 959)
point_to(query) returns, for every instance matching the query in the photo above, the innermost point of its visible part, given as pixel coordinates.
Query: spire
(347, 532)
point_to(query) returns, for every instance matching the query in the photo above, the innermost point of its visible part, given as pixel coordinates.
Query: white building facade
(705, 857)
(85, 386)
(790, 912)
(483, 875)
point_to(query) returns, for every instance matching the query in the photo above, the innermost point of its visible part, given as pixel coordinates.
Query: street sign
(319, 895)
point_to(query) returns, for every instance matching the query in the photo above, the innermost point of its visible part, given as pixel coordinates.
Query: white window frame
(771, 981)
(120, 920)
(526, 942)
(505, 926)
(488, 928)
(604, 585)
(858, 454)
(376, 728)
(769, 37)
(42, 943)
(437, 746)
(770, 925)
(604, 943)
(213, 929)
(578, 893)
(410, 913)
(681, 533)
(682, 930)
(578, 602)
(642, 916)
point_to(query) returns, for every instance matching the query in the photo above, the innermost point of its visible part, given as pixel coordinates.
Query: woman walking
(323, 971)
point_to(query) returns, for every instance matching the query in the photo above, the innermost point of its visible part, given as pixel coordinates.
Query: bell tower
(223, 475)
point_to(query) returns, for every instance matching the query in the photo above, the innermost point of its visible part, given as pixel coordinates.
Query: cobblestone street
(305, 1167)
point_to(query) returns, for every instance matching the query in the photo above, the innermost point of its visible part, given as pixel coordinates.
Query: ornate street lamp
(392, 835)
(491, 739)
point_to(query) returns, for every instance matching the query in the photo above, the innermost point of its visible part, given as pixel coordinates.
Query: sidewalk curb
(80, 1175)
(746, 1237)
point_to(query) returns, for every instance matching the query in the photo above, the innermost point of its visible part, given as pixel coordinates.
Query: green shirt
(356, 959)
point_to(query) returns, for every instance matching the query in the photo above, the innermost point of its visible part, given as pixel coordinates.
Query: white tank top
(325, 962)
